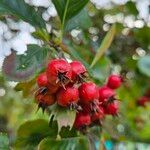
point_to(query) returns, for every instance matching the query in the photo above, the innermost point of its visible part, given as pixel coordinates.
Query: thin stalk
(63, 21)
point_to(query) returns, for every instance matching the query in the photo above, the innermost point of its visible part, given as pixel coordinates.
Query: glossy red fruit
(114, 81)
(143, 100)
(52, 89)
(45, 100)
(82, 120)
(99, 114)
(88, 92)
(58, 72)
(78, 71)
(112, 108)
(42, 80)
(105, 93)
(68, 96)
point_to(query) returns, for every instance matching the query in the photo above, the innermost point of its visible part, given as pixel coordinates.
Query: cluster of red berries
(64, 83)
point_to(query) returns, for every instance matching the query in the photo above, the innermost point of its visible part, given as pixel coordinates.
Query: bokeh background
(129, 54)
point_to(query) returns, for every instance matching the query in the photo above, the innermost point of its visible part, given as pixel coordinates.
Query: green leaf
(101, 69)
(81, 20)
(26, 87)
(105, 44)
(10, 69)
(4, 142)
(32, 132)
(67, 133)
(22, 11)
(131, 7)
(34, 54)
(77, 143)
(63, 116)
(144, 65)
(24, 67)
(142, 36)
(42, 35)
(66, 9)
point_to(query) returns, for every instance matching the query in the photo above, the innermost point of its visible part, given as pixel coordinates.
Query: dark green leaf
(144, 65)
(105, 44)
(32, 132)
(77, 143)
(10, 69)
(23, 11)
(67, 133)
(68, 8)
(63, 116)
(81, 20)
(23, 67)
(34, 56)
(143, 36)
(131, 7)
(4, 142)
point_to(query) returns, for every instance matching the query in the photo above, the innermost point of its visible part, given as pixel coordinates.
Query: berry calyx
(58, 72)
(78, 71)
(88, 92)
(45, 86)
(114, 81)
(143, 100)
(42, 80)
(68, 97)
(82, 120)
(105, 94)
(98, 115)
(112, 108)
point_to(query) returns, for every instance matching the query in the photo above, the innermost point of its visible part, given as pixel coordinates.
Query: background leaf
(32, 132)
(63, 116)
(77, 143)
(105, 44)
(131, 7)
(144, 65)
(4, 142)
(81, 20)
(42, 35)
(73, 8)
(25, 86)
(101, 69)
(23, 11)
(24, 67)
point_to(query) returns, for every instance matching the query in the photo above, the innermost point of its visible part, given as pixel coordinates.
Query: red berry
(105, 93)
(52, 88)
(58, 72)
(142, 101)
(99, 114)
(112, 108)
(45, 100)
(42, 80)
(78, 70)
(82, 120)
(114, 81)
(68, 96)
(88, 92)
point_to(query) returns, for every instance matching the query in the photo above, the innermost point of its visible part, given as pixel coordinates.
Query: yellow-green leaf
(105, 44)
